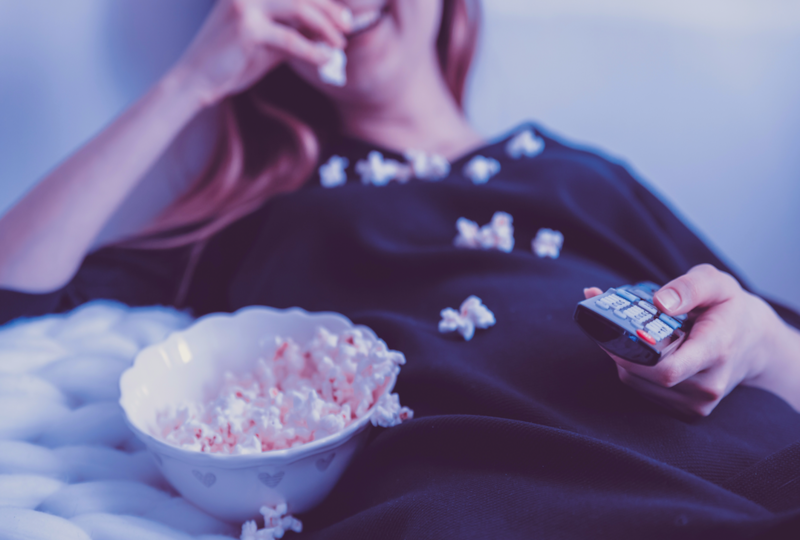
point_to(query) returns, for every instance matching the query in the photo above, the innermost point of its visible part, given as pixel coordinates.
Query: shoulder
(531, 148)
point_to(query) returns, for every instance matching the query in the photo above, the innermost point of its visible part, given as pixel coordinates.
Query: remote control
(625, 322)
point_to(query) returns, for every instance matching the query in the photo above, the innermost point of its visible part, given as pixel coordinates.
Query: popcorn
(379, 171)
(472, 314)
(276, 523)
(302, 394)
(332, 174)
(389, 413)
(499, 234)
(526, 144)
(480, 169)
(333, 71)
(548, 243)
(249, 531)
(428, 166)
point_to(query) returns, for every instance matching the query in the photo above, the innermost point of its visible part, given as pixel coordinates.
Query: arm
(47, 234)
(44, 238)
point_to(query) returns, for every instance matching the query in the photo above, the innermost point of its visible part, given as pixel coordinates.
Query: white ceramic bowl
(188, 366)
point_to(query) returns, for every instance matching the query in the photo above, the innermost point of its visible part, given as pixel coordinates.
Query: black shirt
(525, 431)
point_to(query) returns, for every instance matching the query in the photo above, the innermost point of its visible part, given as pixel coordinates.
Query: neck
(421, 115)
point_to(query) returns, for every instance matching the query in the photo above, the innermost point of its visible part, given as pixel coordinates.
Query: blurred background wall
(698, 97)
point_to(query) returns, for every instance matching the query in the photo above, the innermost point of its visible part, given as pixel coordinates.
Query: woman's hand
(242, 40)
(737, 338)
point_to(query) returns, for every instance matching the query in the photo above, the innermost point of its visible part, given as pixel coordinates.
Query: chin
(389, 44)
(374, 74)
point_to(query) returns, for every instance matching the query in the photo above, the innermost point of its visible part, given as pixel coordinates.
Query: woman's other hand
(737, 338)
(242, 40)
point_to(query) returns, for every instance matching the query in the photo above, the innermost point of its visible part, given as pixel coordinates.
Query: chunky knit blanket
(70, 469)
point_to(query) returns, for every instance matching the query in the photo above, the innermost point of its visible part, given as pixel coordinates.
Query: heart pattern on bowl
(324, 462)
(207, 479)
(271, 480)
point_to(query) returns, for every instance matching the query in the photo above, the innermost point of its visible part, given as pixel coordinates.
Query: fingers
(294, 26)
(694, 355)
(698, 395)
(309, 17)
(702, 286)
(591, 292)
(262, 30)
(292, 43)
(338, 14)
(317, 19)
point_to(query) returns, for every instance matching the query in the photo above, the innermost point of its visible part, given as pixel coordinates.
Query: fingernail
(668, 298)
(347, 17)
(585, 291)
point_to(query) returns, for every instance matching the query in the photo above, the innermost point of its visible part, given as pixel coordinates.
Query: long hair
(272, 137)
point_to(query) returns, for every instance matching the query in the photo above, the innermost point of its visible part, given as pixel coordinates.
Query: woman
(524, 431)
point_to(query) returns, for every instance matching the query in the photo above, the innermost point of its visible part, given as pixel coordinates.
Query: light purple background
(700, 97)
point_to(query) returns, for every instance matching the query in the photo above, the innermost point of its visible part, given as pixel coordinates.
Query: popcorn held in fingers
(498, 234)
(427, 166)
(548, 243)
(472, 314)
(480, 169)
(276, 523)
(334, 71)
(302, 394)
(525, 144)
(332, 173)
(379, 171)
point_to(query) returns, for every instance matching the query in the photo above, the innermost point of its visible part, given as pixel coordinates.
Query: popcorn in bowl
(299, 395)
(232, 479)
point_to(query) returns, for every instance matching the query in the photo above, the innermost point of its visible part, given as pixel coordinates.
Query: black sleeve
(132, 276)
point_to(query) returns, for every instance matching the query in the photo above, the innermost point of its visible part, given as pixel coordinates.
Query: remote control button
(681, 317)
(648, 306)
(670, 321)
(616, 302)
(602, 303)
(642, 294)
(638, 316)
(646, 337)
(620, 314)
(627, 296)
(636, 323)
(658, 330)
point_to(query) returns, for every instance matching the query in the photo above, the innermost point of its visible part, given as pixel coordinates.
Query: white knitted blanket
(70, 469)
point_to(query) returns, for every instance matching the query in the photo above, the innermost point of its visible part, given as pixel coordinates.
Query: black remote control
(625, 322)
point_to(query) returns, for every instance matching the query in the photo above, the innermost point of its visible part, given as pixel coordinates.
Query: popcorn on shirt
(525, 143)
(332, 173)
(480, 169)
(378, 171)
(471, 315)
(427, 166)
(548, 243)
(498, 234)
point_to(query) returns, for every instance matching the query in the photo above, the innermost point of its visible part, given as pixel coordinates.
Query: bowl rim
(272, 457)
